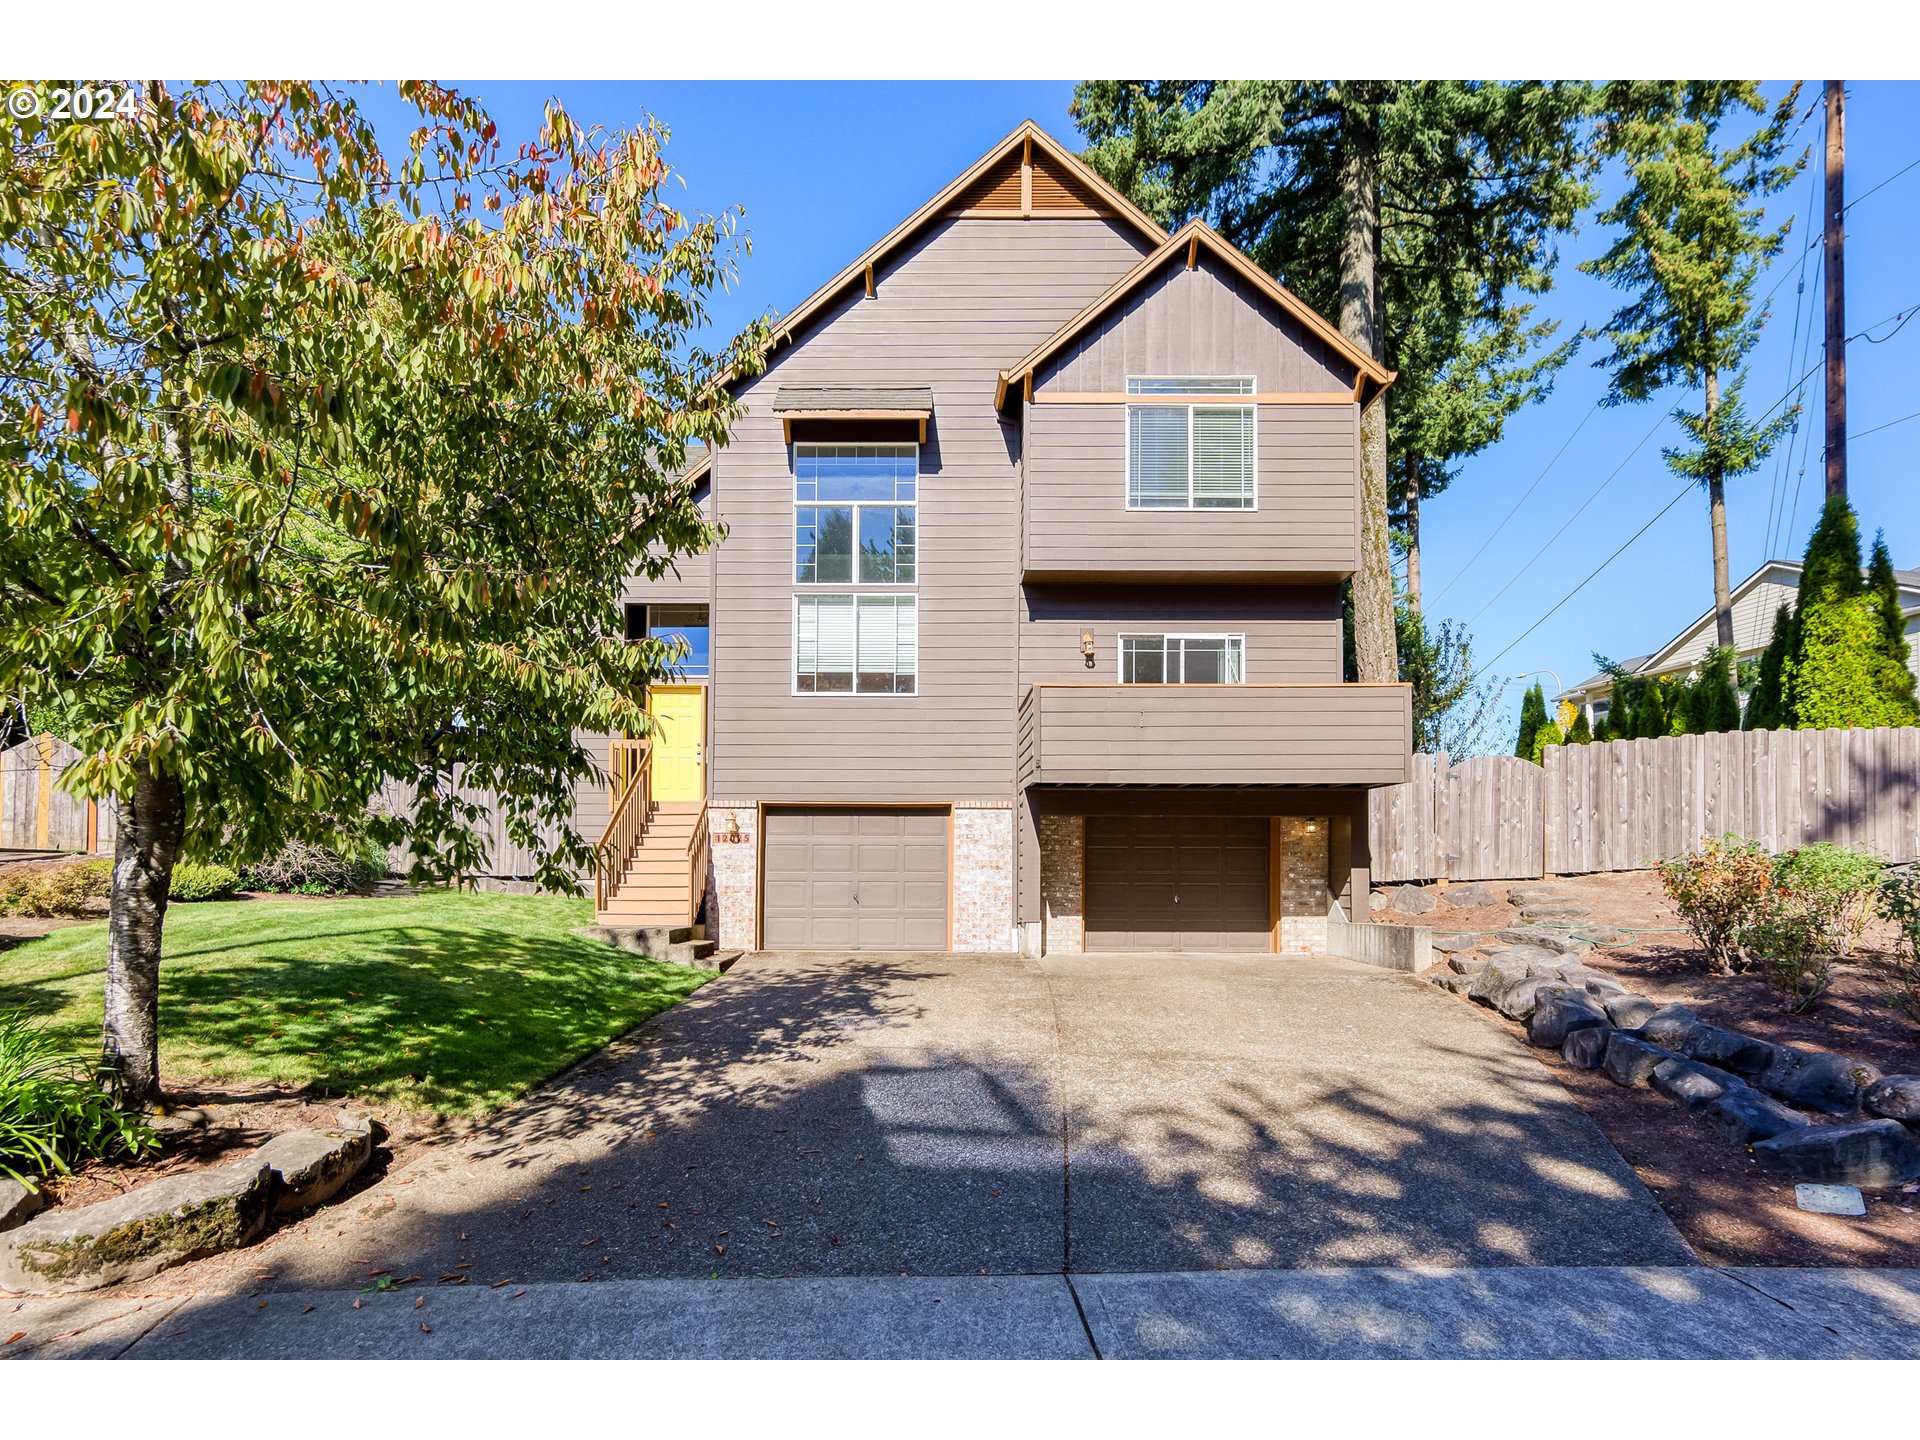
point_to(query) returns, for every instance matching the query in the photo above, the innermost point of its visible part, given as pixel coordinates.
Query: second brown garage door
(1177, 882)
(855, 880)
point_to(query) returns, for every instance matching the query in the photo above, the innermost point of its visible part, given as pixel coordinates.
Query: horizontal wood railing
(629, 767)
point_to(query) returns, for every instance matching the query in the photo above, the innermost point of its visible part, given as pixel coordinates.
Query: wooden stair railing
(697, 864)
(629, 765)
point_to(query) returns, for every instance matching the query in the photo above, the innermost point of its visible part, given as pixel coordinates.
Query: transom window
(853, 515)
(1190, 457)
(1183, 659)
(686, 624)
(848, 644)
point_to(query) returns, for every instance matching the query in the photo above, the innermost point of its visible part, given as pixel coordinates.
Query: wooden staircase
(651, 865)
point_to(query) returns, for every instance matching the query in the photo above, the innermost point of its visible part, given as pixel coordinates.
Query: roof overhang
(912, 404)
(1185, 245)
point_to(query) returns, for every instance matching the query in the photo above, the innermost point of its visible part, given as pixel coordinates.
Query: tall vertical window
(1196, 456)
(853, 514)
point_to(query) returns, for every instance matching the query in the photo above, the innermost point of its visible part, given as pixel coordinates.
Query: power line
(1914, 164)
(1658, 422)
(1515, 510)
(1862, 434)
(1774, 491)
(1592, 574)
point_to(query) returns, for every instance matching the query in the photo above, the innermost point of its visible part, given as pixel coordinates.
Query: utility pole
(1836, 273)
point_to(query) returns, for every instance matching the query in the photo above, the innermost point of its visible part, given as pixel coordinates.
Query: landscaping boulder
(310, 1167)
(164, 1223)
(1629, 1011)
(1728, 1050)
(1469, 897)
(1631, 1059)
(1745, 1116)
(1554, 912)
(1452, 980)
(1867, 1152)
(1586, 1048)
(1669, 1026)
(1600, 935)
(1536, 895)
(1519, 1000)
(1813, 1080)
(1454, 944)
(1466, 964)
(1893, 1097)
(1560, 1010)
(1561, 942)
(1692, 1084)
(1494, 979)
(1377, 901)
(1412, 900)
(18, 1204)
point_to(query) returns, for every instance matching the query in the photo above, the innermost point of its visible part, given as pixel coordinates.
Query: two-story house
(1025, 631)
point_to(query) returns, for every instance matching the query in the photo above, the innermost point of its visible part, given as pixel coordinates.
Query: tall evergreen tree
(1692, 242)
(1418, 213)
(1533, 714)
(1650, 718)
(1842, 670)
(1884, 586)
(1582, 732)
(1767, 705)
(1716, 705)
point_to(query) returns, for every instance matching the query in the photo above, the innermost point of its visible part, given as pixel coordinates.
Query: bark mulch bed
(1729, 1211)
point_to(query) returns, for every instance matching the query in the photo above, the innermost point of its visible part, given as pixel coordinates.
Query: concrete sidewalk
(1521, 1312)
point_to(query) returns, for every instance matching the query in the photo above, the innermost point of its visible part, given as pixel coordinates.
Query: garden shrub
(301, 868)
(1835, 885)
(193, 880)
(1899, 901)
(53, 890)
(58, 1107)
(1719, 890)
(1789, 936)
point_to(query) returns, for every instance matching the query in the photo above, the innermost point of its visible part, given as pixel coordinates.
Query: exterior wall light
(732, 835)
(1086, 646)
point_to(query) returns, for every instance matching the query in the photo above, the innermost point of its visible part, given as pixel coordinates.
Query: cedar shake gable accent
(1028, 175)
(1183, 247)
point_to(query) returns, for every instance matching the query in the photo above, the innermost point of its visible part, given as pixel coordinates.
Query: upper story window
(1197, 456)
(853, 514)
(1183, 659)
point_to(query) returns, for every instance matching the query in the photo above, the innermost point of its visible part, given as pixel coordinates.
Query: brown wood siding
(689, 581)
(1100, 734)
(1204, 321)
(951, 311)
(1305, 524)
(1292, 632)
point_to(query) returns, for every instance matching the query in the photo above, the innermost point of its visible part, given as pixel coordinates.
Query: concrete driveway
(959, 1115)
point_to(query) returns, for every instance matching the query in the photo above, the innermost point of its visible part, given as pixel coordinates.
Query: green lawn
(446, 1002)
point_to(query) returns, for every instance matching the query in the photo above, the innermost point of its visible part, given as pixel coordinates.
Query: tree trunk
(1360, 321)
(1836, 287)
(151, 823)
(1717, 510)
(1413, 534)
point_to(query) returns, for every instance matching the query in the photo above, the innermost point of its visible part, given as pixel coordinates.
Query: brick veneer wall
(1304, 896)
(982, 896)
(736, 874)
(1063, 863)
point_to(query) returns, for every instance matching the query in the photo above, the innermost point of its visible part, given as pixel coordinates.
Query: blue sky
(824, 169)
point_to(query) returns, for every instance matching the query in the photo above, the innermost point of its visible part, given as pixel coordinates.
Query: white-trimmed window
(1183, 659)
(856, 644)
(854, 514)
(1198, 456)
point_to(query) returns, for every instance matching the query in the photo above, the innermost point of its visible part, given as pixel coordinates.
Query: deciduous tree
(323, 469)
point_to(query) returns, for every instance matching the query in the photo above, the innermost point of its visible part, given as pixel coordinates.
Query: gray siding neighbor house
(1025, 630)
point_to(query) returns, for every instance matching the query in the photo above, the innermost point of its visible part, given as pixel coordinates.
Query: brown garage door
(856, 880)
(1177, 882)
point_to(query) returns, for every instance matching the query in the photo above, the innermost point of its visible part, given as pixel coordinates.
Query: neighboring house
(1025, 632)
(1756, 600)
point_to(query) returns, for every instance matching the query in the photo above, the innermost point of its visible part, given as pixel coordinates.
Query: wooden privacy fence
(1627, 804)
(35, 814)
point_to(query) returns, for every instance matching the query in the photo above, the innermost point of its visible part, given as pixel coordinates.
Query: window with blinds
(1190, 457)
(856, 644)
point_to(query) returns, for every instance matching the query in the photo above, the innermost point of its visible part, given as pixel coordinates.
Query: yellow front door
(679, 742)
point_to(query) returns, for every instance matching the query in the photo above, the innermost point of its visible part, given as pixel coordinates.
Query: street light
(1558, 688)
